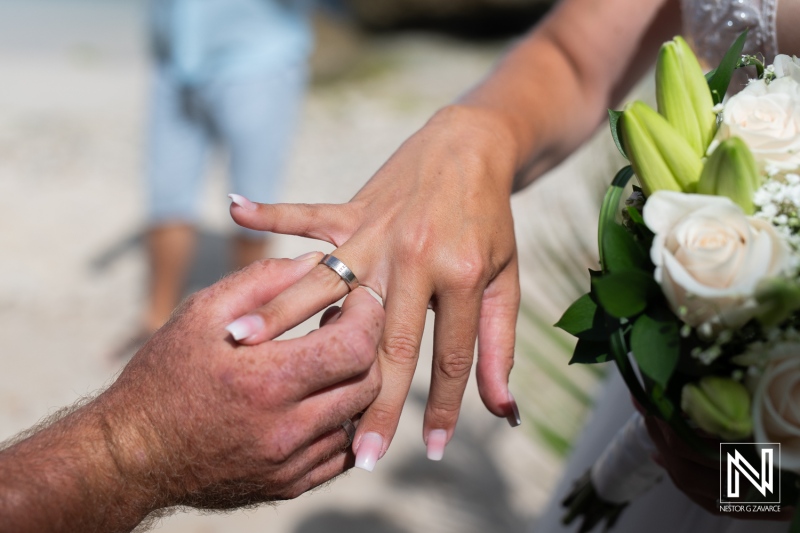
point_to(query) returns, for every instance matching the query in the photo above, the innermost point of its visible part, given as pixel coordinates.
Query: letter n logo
(739, 477)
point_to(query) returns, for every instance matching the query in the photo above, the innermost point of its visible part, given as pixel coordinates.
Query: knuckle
(416, 242)
(455, 366)
(443, 414)
(278, 451)
(200, 304)
(382, 416)
(276, 455)
(401, 347)
(363, 348)
(198, 299)
(468, 272)
(283, 480)
(347, 349)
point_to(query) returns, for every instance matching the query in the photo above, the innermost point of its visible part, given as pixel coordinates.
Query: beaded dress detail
(712, 25)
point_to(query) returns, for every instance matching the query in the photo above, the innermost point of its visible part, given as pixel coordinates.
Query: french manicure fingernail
(437, 440)
(513, 417)
(369, 450)
(242, 202)
(303, 257)
(245, 327)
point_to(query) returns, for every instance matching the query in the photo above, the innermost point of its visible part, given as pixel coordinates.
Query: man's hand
(196, 419)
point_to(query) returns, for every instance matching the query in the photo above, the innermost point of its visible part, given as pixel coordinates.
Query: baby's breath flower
(778, 201)
(780, 343)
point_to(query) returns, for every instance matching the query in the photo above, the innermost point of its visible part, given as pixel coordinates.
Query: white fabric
(712, 26)
(626, 468)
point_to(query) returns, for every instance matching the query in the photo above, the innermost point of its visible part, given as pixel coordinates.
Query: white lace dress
(711, 26)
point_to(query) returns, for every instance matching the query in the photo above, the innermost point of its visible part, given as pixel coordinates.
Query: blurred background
(74, 91)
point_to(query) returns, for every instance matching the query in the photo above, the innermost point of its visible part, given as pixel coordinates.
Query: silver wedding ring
(350, 429)
(340, 268)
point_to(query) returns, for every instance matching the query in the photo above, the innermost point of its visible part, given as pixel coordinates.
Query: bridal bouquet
(698, 299)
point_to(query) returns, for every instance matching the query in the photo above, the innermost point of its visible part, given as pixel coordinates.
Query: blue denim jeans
(252, 119)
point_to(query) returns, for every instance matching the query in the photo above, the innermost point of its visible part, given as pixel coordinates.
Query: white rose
(709, 256)
(786, 66)
(776, 417)
(767, 118)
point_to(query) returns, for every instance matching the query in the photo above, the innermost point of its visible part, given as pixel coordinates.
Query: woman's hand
(432, 227)
(434, 224)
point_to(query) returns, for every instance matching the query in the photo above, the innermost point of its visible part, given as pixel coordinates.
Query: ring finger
(398, 351)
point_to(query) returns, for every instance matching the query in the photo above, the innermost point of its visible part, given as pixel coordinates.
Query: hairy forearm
(553, 88)
(63, 477)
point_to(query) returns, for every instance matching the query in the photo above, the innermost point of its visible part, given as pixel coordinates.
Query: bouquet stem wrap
(623, 472)
(626, 468)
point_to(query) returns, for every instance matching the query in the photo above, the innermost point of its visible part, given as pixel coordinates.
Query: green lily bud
(777, 299)
(661, 158)
(720, 406)
(731, 171)
(683, 95)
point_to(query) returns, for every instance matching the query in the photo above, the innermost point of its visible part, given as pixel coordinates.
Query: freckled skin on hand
(196, 420)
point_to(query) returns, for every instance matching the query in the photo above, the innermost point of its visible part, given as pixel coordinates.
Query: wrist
(486, 133)
(138, 452)
(63, 477)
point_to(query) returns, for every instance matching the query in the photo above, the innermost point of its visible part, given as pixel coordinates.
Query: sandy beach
(73, 92)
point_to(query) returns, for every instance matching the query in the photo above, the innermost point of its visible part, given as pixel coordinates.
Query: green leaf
(721, 78)
(579, 316)
(613, 121)
(608, 211)
(590, 352)
(635, 215)
(625, 294)
(656, 346)
(585, 320)
(660, 399)
(621, 252)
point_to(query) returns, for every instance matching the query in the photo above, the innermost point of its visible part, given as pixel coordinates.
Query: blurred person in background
(227, 72)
